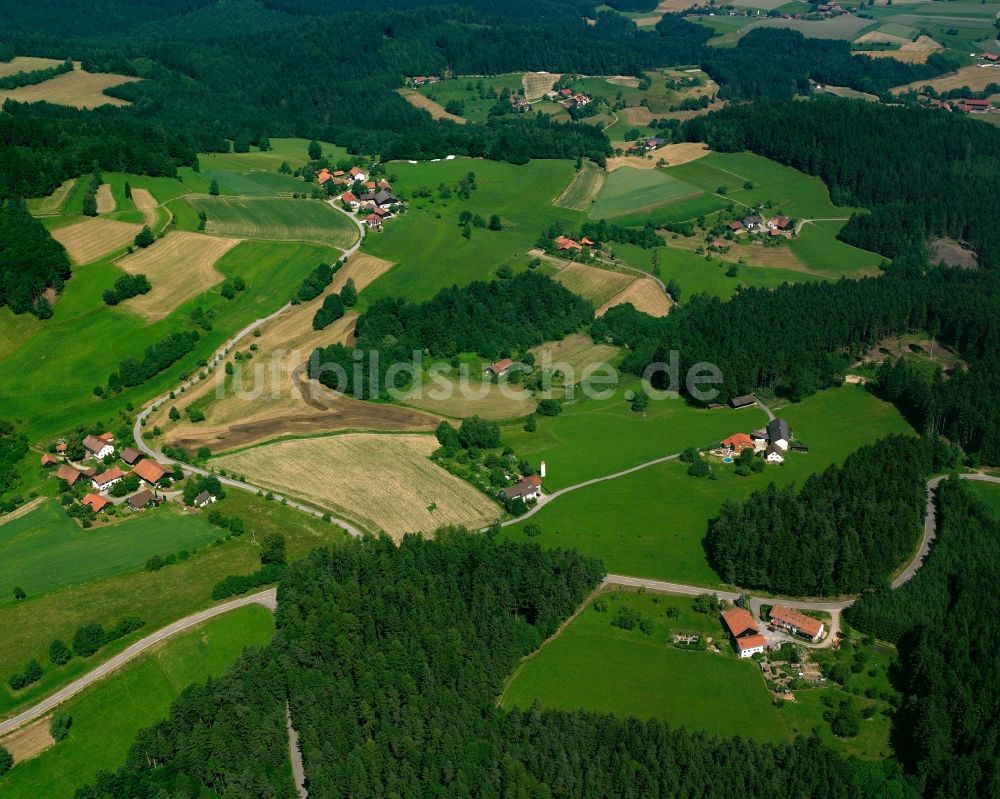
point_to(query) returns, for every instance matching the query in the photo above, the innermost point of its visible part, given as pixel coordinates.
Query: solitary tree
(315, 151)
(213, 188)
(128, 190)
(174, 413)
(495, 223)
(19, 592)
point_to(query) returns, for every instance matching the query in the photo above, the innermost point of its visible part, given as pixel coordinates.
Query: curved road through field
(266, 598)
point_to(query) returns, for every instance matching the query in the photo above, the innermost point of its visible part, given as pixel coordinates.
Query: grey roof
(742, 400)
(130, 455)
(385, 197)
(204, 496)
(140, 499)
(778, 428)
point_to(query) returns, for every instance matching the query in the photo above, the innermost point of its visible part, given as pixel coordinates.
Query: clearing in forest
(347, 474)
(415, 98)
(88, 240)
(54, 202)
(586, 184)
(536, 84)
(591, 282)
(105, 199)
(276, 219)
(79, 89)
(26, 64)
(179, 266)
(645, 294)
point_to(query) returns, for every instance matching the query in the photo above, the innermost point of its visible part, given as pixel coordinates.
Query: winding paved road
(266, 598)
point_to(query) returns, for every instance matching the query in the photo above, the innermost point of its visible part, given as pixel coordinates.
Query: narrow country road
(295, 755)
(216, 360)
(266, 598)
(802, 222)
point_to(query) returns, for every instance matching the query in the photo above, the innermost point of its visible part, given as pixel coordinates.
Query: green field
(595, 437)
(51, 376)
(107, 716)
(988, 494)
(596, 666)
(157, 597)
(651, 523)
(696, 275)
(466, 90)
(45, 549)
(629, 191)
(276, 218)
(818, 247)
(294, 151)
(895, 29)
(426, 243)
(582, 191)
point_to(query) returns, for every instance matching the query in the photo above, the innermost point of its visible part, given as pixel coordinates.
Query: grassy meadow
(596, 666)
(107, 716)
(276, 218)
(628, 191)
(45, 549)
(651, 523)
(157, 597)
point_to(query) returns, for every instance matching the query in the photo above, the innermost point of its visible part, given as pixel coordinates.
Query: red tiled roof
(94, 444)
(500, 365)
(68, 473)
(564, 243)
(587, 242)
(140, 498)
(49, 460)
(355, 171)
(750, 641)
(108, 438)
(112, 474)
(61, 446)
(738, 621)
(736, 226)
(150, 471)
(348, 197)
(738, 441)
(96, 502)
(806, 624)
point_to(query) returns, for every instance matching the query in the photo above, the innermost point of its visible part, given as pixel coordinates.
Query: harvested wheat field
(384, 482)
(576, 354)
(415, 98)
(105, 199)
(26, 64)
(30, 740)
(52, 203)
(591, 282)
(179, 266)
(480, 398)
(78, 88)
(537, 83)
(362, 269)
(915, 52)
(624, 80)
(637, 115)
(146, 203)
(88, 240)
(583, 189)
(975, 78)
(645, 294)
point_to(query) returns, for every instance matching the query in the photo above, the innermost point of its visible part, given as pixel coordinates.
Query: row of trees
(125, 287)
(847, 529)
(491, 319)
(391, 659)
(157, 357)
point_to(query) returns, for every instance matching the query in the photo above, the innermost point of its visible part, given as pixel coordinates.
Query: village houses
(526, 489)
(744, 631)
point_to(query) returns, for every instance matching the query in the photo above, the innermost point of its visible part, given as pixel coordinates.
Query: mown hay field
(105, 200)
(385, 482)
(645, 294)
(974, 78)
(88, 240)
(536, 84)
(586, 184)
(416, 99)
(78, 89)
(146, 203)
(629, 190)
(276, 219)
(54, 202)
(481, 398)
(578, 352)
(26, 64)
(179, 266)
(592, 283)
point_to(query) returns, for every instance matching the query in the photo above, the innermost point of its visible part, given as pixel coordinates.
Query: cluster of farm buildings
(362, 194)
(755, 223)
(774, 441)
(569, 98)
(748, 640)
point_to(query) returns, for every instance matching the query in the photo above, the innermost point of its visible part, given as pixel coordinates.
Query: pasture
(294, 151)
(91, 239)
(583, 189)
(592, 282)
(473, 93)
(79, 89)
(179, 266)
(346, 474)
(651, 523)
(45, 550)
(988, 494)
(845, 27)
(276, 219)
(50, 383)
(521, 195)
(629, 190)
(54, 202)
(256, 183)
(818, 247)
(645, 294)
(595, 666)
(107, 716)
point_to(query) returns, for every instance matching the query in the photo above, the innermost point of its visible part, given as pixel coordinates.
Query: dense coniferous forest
(798, 339)
(392, 659)
(925, 174)
(491, 319)
(845, 530)
(30, 260)
(946, 622)
(778, 64)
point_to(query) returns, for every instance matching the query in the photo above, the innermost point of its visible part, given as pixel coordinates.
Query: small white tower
(541, 470)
